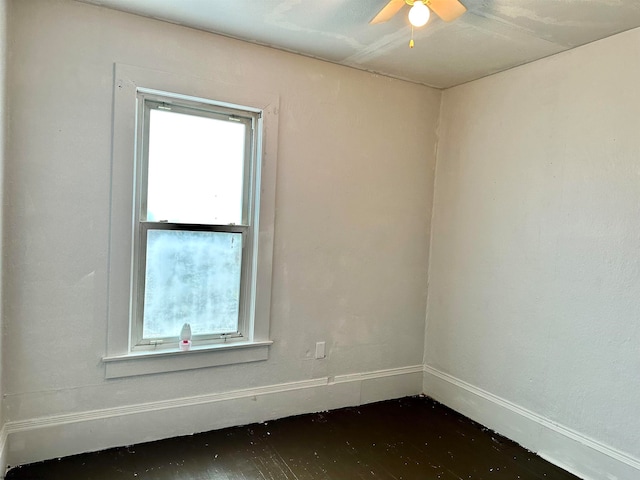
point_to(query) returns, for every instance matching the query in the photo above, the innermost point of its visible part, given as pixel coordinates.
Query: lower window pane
(191, 277)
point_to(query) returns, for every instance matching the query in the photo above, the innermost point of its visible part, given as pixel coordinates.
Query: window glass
(191, 277)
(195, 169)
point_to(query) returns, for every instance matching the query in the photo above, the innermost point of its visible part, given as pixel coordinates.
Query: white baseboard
(3, 451)
(583, 456)
(43, 438)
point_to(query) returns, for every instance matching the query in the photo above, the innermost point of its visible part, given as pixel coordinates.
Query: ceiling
(493, 35)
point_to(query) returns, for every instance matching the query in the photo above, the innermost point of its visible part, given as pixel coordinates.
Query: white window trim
(119, 359)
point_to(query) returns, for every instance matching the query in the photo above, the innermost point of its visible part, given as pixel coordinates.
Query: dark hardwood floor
(410, 438)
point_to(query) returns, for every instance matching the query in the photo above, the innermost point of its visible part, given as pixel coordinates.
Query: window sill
(173, 360)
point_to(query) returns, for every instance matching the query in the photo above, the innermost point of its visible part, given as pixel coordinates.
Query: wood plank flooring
(410, 438)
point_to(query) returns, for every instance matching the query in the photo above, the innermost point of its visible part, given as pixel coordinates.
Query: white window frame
(252, 119)
(123, 357)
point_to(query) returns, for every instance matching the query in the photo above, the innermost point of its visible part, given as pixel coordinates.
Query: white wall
(535, 266)
(3, 61)
(355, 173)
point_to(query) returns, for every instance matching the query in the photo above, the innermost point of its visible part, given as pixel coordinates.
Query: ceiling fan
(447, 10)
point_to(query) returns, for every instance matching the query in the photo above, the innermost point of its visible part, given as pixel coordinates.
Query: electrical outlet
(320, 353)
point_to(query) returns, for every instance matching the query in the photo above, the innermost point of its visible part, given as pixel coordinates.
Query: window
(192, 190)
(196, 193)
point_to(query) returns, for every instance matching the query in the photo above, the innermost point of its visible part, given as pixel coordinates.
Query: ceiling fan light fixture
(419, 14)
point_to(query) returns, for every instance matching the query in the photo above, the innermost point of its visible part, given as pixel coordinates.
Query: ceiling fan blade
(388, 11)
(447, 10)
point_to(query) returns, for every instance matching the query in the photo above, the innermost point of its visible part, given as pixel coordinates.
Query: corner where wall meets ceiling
(492, 36)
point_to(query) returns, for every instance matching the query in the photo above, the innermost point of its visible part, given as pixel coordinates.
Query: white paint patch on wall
(354, 192)
(535, 271)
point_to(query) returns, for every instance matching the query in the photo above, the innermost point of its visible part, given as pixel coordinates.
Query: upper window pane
(195, 169)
